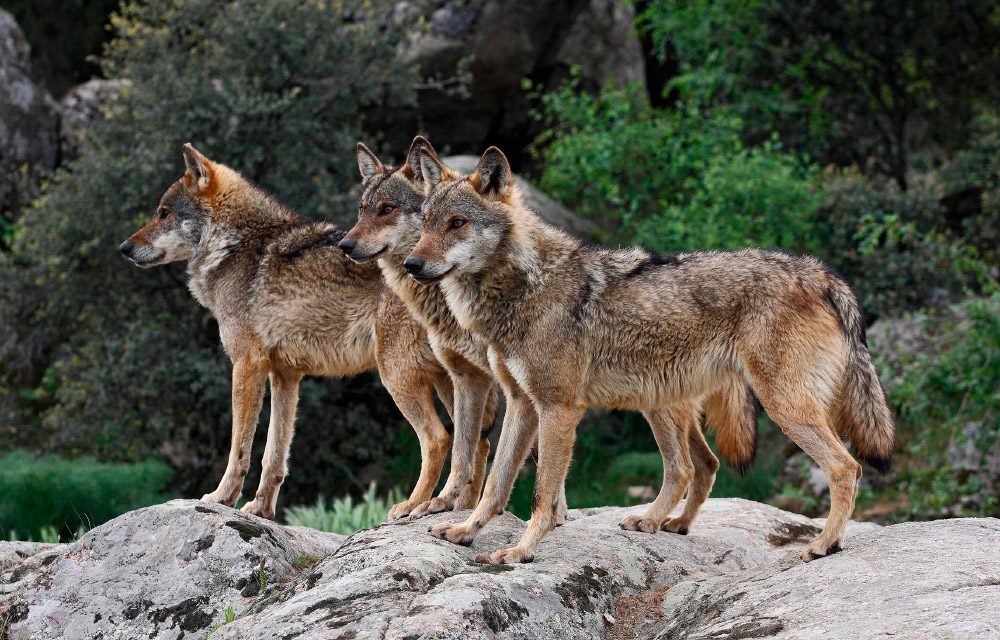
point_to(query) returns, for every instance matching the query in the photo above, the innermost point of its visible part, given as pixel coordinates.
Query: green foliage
(46, 498)
(673, 180)
(892, 246)
(947, 397)
(99, 358)
(343, 515)
(849, 82)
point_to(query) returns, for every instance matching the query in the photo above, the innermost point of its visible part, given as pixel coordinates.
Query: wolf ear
(431, 170)
(368, 162)
(412, 168)
(198, 175)
(493, 176)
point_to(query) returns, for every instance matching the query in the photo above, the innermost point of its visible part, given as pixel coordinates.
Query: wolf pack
(456, 291)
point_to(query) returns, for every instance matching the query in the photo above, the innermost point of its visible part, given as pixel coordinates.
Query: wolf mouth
(372, 256)
(432, 279)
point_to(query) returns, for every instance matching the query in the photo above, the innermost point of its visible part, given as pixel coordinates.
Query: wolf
(577, 326)
(289, 304)
(388, 228)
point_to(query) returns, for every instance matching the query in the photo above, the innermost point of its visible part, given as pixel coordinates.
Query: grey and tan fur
(289, 304)
(576, 326)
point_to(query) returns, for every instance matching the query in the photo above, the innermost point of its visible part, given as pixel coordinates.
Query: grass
(344, 515)
(48, 499)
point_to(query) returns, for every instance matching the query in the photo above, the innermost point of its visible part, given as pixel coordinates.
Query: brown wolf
(389, 225)
(390, 203)
(288, 304)
(576, 326)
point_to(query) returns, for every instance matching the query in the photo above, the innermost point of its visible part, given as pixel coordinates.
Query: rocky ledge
(187, 569)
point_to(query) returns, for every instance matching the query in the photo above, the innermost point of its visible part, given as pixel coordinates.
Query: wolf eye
(386, 209)
(164, 212)
(457, 223)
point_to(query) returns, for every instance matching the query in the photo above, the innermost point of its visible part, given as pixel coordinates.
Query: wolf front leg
(472, 389)
(249, 374)
(284, 401)
(516, 437)
(556, 433)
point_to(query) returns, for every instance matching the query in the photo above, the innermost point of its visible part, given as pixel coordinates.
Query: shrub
(673, 180)
(945, 387)
(343, 515)
(43, 497)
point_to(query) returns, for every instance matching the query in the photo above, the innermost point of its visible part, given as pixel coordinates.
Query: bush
(673, 180)
(343, 515)
(45, 495)
(893, 247)
(99, 358)
(945, 387)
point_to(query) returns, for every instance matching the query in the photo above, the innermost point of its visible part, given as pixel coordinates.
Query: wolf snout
(413, 265)
(347, 245)
(126, 248)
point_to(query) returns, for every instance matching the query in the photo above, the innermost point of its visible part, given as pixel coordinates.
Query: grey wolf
(576, 326)
(289, 304)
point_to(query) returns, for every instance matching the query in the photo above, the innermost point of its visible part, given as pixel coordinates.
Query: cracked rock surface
(171, 571)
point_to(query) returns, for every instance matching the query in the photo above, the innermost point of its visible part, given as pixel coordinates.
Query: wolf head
(181, 216)
(389, 215)
(465, 219)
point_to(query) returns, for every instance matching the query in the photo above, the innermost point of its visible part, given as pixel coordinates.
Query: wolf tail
(732, 413)
(861, 412)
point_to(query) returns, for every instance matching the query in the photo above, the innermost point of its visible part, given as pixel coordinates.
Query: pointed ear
(432, 171)
(412, 168)
(493, 176)
(198, 174)
(368, 162)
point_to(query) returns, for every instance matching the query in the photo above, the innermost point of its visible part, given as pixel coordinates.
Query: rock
(29, 124)
(29, 119)
(82, 105)
(495, 44)
(550, 210)
(167, 571)
(915, 580)
(172, 571)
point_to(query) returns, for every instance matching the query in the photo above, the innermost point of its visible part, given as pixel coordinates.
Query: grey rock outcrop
(84, 104)
(492, 45)
(172, 571)
(915, 580)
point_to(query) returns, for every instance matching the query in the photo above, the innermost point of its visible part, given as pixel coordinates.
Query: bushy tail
(861, 413)
(732, 413)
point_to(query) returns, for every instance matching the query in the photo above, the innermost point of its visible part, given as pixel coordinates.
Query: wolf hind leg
(705, 467)
(670, 428)
(807, 425)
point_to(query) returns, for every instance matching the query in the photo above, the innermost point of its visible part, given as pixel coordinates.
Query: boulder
(187, 569)
(29, 124)
(550, 210)
(82, 105)
(914, 580)
(168, 571)
(474, 55)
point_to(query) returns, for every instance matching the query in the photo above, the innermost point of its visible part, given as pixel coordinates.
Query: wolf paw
(819, 549)
(677, 525)
(454, 533)
(512, 555)
(401, 510)
(217, 497)
(254, 507)
(434, 505)
(639, 523)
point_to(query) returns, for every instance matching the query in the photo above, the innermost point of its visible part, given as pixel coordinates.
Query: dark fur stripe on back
(654, 260)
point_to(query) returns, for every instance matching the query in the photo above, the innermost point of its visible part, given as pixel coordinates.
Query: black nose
(347, 245)
(126, 247)
(413, 265)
